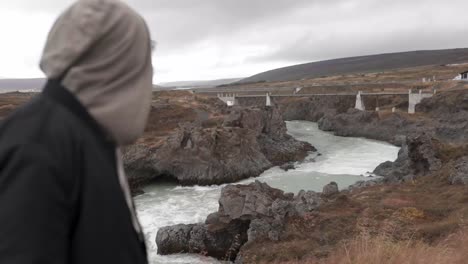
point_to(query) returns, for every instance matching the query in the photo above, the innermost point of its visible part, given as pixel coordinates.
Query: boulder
(248, 202)
(330, 189)
(246, 214)
(222, 244)
(306, 202)
(287, 166)
(174, 239)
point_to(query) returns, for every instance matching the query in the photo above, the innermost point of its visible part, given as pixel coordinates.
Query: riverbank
(343, 160)
(424, 198)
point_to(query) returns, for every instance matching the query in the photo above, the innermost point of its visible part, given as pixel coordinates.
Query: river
(343, 160)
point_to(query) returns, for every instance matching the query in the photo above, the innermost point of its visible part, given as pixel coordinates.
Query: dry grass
(398, 80)
(383, 250)
(417, 216)
(11, 101)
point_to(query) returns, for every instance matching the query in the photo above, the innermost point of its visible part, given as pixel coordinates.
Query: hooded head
(101, 49)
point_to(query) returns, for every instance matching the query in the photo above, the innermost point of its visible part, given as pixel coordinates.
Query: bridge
(231, 99)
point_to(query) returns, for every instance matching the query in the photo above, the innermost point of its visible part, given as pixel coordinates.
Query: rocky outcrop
(368, 124)
(397, 170)
(422, 153)
(271, 132)
(288, 166)
(445, 118)
(417, 157)
(194, 155)
(449, 113)
(222, 244)
(364, 184)
(246, 214)
(249, 141)
(330, 189)
(460, 172)
(315, 107)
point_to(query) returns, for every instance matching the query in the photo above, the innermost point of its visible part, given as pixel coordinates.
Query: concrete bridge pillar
(228, 99)
(360, 102)
(268, 100)
(416, 98)
(413, 98)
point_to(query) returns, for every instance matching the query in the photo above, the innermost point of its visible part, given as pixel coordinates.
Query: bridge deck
(310, 95)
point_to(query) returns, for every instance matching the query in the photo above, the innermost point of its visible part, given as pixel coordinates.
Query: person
(64, 197)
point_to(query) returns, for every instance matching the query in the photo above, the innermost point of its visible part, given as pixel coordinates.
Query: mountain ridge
(212, 83)
(362, 64)
(27, 84)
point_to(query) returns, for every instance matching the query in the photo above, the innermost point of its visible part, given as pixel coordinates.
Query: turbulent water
(343, 160)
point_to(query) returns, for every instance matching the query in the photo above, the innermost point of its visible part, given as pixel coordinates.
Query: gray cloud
(308, 48)
(175, 24)
(274, 32)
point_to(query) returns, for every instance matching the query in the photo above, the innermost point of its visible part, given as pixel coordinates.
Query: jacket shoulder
(36, 121)
(42, 123)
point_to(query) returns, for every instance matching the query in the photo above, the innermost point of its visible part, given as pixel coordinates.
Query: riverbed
(339, 159)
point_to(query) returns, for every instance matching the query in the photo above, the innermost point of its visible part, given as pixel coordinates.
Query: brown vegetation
(421, 220)
(11, 101)
(398, 80)
(173, 108)
(382, 249)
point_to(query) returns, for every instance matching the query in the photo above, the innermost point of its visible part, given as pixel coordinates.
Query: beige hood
(103, 47)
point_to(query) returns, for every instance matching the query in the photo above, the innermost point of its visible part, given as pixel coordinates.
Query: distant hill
(362, 64)
(13, 85)
(192, 84)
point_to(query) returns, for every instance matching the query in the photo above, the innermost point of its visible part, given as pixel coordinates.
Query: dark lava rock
(284, 150)
(447, 112)
(174, 239)
(384, 169)
(315, 107)
(397, 170)
(223, 244)
(330, 189)
(422, 152)
(417, 157)
(460, 173)
(247, 213)
(306, 202)
(287, 166)
(250, 141)
(363, 184)
(368, 124)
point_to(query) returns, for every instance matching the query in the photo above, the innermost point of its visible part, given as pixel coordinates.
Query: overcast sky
(211, 39)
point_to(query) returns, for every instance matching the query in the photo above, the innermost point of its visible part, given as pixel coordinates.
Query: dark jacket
(60, 197)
